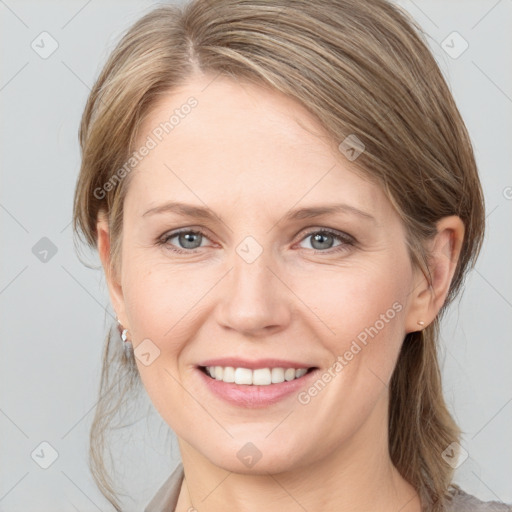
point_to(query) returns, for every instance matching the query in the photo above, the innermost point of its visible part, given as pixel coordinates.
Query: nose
(254, 300)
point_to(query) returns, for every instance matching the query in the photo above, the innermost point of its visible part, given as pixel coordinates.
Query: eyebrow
(188, 210)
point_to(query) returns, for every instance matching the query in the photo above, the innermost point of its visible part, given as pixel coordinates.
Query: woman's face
(260, 279)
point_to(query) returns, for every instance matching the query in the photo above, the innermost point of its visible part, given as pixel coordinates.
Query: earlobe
(430, 291)
(104, 251)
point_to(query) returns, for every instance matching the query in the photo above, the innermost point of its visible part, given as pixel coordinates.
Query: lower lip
(250, 396)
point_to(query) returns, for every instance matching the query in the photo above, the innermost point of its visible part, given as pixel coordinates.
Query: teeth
(261, 377)
(243, 376)
(277, 375)
(289, 374)
(258, 377)
(229, 374)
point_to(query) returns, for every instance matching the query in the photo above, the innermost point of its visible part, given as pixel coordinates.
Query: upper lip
(237, 362)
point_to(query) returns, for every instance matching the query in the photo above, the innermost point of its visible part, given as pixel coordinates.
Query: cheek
(166, 303)
(365, 307)
(160, 306)
(349, 301)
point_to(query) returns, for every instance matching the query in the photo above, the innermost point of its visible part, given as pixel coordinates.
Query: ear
(113, 283)
(429, 293)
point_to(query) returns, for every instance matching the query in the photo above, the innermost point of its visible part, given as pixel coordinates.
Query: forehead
(245, 144)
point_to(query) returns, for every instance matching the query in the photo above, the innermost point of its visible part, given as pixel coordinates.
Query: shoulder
(166, 497)
(463, 502)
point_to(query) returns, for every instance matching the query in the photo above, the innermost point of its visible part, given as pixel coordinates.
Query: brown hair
(360, 68)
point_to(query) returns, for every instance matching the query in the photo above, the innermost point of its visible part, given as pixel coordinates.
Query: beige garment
(166, 498)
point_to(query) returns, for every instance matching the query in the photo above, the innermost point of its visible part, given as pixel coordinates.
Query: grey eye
(321, 240)
(189, 239)
(186, 239)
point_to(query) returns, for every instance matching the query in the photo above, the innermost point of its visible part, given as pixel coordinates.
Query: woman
(284, 199)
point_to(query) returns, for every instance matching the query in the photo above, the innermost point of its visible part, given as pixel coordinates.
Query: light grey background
(54, 314)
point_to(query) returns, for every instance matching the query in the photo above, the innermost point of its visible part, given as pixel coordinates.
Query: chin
(253, 459)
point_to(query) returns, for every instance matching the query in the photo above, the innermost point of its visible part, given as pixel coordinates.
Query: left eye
(323, 239)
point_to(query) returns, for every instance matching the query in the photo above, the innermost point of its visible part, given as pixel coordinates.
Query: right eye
(186, 238)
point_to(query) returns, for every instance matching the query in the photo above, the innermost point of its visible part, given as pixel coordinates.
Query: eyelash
(346, 239)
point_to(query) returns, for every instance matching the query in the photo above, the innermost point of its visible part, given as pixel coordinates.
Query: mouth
(265, 383)
(255, 377)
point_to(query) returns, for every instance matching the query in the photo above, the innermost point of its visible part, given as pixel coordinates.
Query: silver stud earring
(421, 323)
(124, 335)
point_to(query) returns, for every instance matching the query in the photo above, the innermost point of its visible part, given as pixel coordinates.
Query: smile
(256, 377)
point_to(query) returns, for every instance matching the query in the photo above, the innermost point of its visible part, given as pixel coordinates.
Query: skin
(251, 155)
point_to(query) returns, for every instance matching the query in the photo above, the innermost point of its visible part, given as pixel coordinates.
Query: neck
(358, 475)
